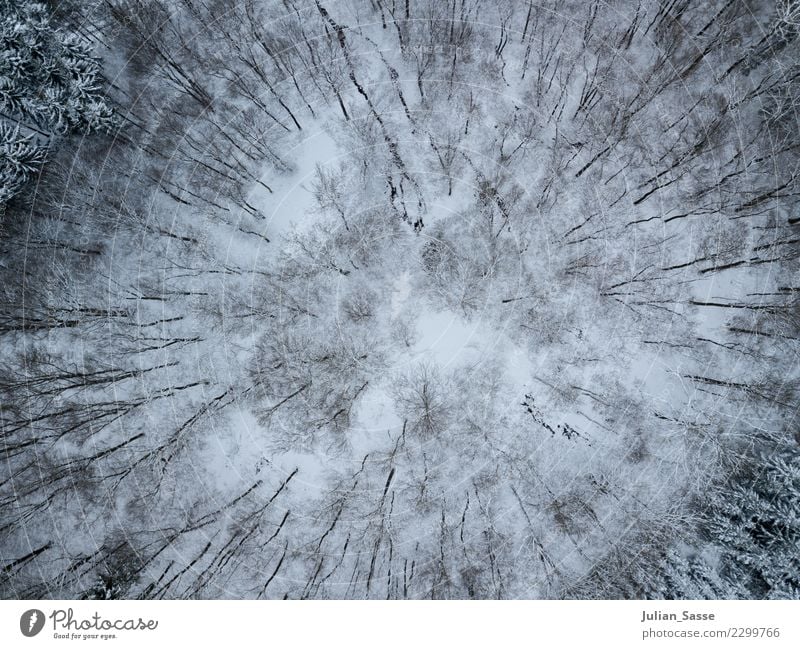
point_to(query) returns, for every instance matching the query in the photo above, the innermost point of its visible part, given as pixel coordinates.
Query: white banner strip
(373, 625)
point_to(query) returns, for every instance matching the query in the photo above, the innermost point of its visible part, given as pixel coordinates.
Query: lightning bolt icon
(32, 621)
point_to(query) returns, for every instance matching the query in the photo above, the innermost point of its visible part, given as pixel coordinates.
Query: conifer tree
(756, 524)
(50, 84)
(20, 158)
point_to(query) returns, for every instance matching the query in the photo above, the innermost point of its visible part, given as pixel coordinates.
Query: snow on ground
(447, 339)
(292, 202)
(453, 344)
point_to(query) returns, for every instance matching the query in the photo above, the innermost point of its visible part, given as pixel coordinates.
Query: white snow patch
(401, 292)
(310, 480)
(239, 452)
(446, 338)
(292, 201)
(518, 368)
(376, 422)
(452, 343)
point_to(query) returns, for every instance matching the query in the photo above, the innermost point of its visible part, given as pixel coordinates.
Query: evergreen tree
(50, 84)
(689, 575)
(752, 532)
(20, 158)
(756, 525)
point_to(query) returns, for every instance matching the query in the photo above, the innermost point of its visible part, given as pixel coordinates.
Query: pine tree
(752, 538)
(50, 84)
(20, 158)
(685, 574)
(756, 525)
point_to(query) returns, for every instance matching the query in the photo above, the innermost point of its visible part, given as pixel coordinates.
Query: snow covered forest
(399, 299)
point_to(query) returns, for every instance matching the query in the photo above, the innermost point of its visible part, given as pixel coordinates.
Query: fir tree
(756, 524)
(50, 84)
(20, 158)
(752, 533)
(686, 574)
